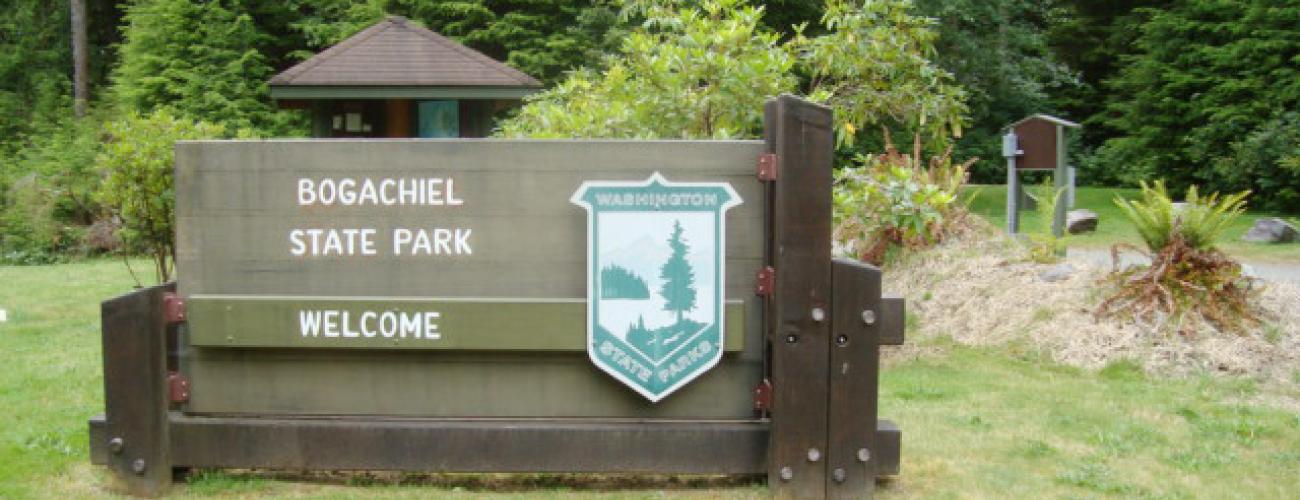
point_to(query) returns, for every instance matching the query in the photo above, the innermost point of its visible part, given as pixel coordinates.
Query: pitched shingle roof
(396, 52)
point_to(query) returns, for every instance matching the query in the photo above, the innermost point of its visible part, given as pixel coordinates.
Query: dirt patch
(982, 290)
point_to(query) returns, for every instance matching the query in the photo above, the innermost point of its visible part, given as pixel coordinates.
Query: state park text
(364, 241)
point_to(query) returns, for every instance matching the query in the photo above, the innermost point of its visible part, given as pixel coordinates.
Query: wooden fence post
(799, 315)
(136, 391)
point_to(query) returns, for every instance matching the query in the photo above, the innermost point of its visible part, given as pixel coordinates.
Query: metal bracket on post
(767, 167)
(765, 282)
(136, 390)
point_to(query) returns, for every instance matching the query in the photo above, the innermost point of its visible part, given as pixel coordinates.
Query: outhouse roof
(396, 57)
(1059, 121)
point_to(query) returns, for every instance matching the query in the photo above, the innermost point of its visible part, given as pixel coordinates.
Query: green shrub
(137, 160)
(28, 232)
(1266, 162)
(47, 192)
(891, 200)
(1044, 245)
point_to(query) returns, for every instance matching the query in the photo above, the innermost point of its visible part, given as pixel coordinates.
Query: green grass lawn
(990, 201)
(977, 423)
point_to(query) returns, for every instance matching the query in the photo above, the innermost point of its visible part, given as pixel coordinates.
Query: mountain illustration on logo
(678, 291)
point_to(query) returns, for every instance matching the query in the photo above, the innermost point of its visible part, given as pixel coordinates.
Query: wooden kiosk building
(397, 79)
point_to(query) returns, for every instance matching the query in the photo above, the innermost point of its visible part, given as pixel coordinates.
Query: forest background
(1192, 91)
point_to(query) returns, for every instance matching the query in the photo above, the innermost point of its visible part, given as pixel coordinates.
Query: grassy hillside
(977, 422)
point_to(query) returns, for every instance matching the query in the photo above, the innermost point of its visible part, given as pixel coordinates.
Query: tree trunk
(80, 59)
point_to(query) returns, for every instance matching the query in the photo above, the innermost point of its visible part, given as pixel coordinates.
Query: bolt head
(863, 455)
(839, 475)
(116, 445)
(842, 340)
(814, 454)
(818, 314)
(138, 466)
(787, 473)
(791, 338)
(869, 316)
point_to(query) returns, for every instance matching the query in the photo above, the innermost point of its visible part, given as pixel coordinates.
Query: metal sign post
(1010, 150)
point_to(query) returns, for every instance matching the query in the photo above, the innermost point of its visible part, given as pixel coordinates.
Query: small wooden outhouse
(397, 79)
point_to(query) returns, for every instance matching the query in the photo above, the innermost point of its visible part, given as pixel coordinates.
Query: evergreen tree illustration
(678, 289)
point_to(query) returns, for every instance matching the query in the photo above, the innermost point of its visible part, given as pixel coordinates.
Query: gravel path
(1270, 271)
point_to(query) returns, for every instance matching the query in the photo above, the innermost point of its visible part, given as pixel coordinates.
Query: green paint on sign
(667, 237)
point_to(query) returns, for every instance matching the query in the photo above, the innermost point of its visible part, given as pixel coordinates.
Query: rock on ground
(1272, 230)
(1081, 221)
(1059, 272)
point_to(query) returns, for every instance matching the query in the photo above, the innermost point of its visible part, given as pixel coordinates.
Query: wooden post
(1060, 179)
(856, 330)
(799, 306)
(135, 391)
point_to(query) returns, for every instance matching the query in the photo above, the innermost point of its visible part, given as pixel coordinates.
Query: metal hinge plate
(178, 387)
(763, 397)
(173, 308)
(766, 281)
(767, 167)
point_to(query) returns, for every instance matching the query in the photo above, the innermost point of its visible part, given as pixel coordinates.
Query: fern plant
(1044, 245)
(1188, 277)
(1200, 222)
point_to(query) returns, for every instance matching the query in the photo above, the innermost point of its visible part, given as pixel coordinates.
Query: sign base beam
(476, 445)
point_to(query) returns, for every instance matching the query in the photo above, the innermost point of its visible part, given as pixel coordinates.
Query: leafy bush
(1044, 245)
(1267, 162)
(1188, 277)
(137, 159)
(28, 232)
(891, 200)
(704, 69)
(48, 200)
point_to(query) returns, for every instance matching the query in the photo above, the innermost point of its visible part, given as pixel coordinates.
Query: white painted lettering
(309, 323)
(331, 321)
(365, 330)
(306, 194)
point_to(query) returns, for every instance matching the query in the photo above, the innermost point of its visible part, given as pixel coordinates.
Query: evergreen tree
(1205, 75)
(998, 51)
(200, 59)
(678, 289)
(1093, 37)
(543, 38)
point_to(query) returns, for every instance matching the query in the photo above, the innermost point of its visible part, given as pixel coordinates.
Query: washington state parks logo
(655, 257)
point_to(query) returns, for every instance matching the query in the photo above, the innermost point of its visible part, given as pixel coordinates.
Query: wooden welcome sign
(506, 306)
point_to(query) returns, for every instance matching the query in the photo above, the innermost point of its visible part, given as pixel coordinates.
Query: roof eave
(339, 92)
(1059, 121)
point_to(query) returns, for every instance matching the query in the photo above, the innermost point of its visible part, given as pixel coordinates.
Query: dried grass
(982, 290)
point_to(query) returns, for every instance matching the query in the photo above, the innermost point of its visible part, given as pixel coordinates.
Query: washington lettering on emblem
(655, 266)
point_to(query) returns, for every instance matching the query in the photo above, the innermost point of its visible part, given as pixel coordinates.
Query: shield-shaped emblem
(656, 255)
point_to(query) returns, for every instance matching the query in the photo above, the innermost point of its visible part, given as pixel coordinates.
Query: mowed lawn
(977, 423)
(990, 201)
